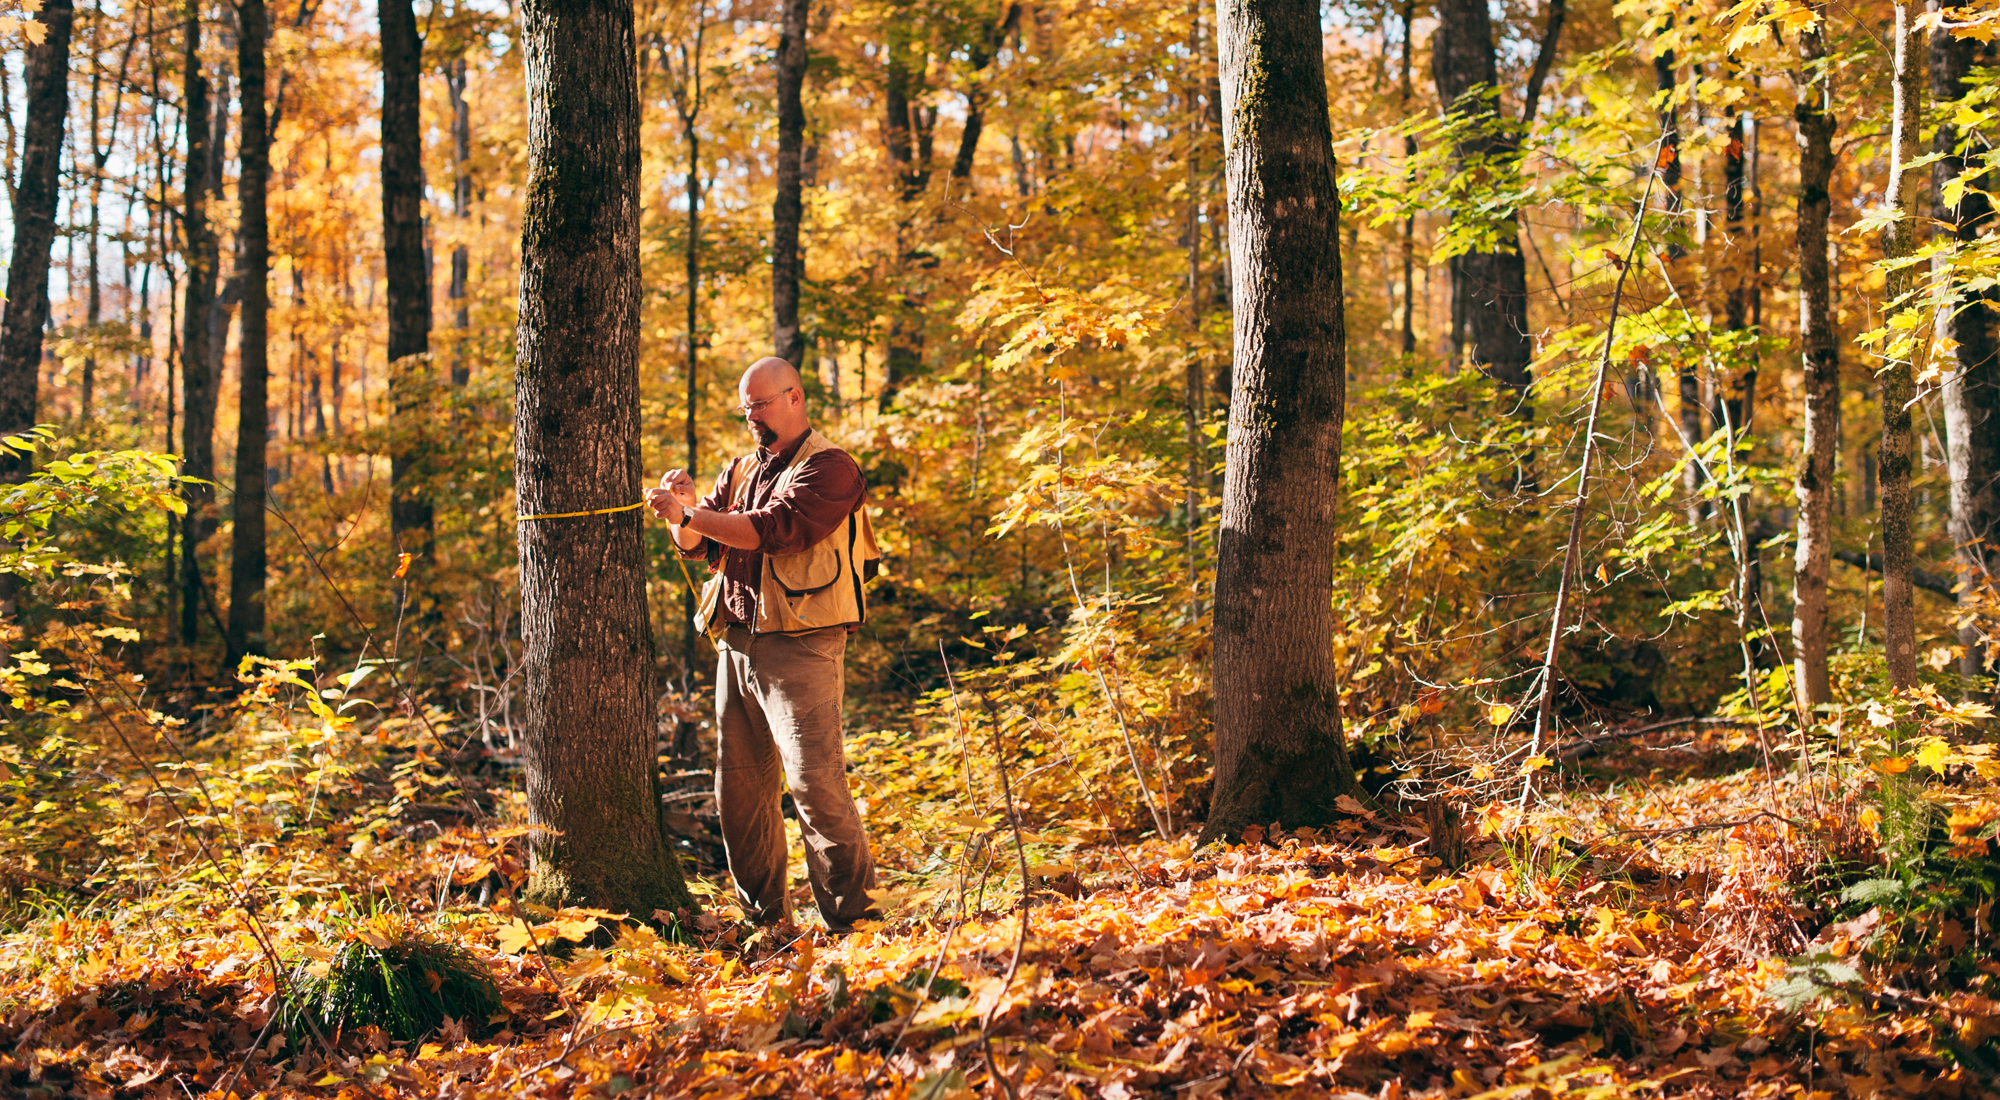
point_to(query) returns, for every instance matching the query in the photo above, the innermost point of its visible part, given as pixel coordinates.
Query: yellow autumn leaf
(1499, 714)
(1894, 765)
(36, 32)
(1936, 755)
(672, 969)
(572, 928)
(1535, 763)
(513, 937)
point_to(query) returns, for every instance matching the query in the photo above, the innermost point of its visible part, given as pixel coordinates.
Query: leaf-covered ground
(1650, 960)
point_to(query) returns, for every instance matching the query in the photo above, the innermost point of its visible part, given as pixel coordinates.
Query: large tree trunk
(35, 196)
(1489, 290)
(246, 559)
(788, 208)
(1279, 752)
(1906, 189)
(408, 275)
(1972, 385)
(588, 648)
(1820, 445)
(198, 380)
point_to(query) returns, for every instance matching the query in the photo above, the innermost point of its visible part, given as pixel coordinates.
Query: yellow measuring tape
(685, 575)
(595, 512)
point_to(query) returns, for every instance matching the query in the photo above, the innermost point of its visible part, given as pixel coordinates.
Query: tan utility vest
(818, 587)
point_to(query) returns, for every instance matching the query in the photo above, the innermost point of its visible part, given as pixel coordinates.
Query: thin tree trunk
(461, 208)
(1279, 752)
(93, 310)
(1818, 335)
(407, 273)
(247, 549)
(788, 208)
(1738, 402)
(197, 380)
(1905, 188)
(908, 129)
(1971, 390)
(35, 198)
(1665, 77)
(1409, 243)
(1194, 389)
(979, 55)
(587, 644)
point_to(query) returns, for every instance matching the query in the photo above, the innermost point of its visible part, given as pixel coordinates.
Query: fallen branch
(1922, 578)
(1580, 745)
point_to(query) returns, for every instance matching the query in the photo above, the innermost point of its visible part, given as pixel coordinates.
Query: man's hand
(674, 498)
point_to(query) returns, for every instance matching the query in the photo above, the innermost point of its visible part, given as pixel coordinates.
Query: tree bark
(1279, 752)
(1194, 390)
(587, 645)
(247, 550)
(461, 208)
(35, 197)
(1905, 188)
(1971, 390)
(407, 273)
(1738, 402)
(788, 208)
(1819, 338)
(1489, 290)
(1409, 242)
(198, 380)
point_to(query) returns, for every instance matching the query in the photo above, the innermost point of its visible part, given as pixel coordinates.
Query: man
(788, 538)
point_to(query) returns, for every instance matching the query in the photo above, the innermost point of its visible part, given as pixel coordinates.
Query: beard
(763, 434)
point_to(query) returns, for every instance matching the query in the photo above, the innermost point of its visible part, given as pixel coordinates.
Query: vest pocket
(810, 571)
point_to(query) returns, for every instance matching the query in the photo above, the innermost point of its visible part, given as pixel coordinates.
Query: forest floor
(1633, 940)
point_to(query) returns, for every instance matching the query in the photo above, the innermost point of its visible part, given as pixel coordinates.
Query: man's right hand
(677, 486)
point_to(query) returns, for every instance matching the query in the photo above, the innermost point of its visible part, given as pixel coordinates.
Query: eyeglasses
(758, 406)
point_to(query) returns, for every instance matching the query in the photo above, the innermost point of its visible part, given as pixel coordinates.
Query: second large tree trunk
(788, 208)
(1971, 391)
(1279, 752)
(198, 380)
(34, 232)
(1820, 447)
(588, 647)
(407, 273)
(247, 555)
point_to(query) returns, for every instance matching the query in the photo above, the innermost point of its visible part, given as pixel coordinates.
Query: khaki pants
(777, 705)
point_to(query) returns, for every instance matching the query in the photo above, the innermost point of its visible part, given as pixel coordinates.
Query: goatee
(765, 436)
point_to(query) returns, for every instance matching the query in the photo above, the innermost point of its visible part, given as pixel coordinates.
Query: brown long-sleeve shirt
(826, 491)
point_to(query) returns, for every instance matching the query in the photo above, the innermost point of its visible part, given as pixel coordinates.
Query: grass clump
(387, 974)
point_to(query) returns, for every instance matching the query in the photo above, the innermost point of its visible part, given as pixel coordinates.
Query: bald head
(769, 375)
(776, 400)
